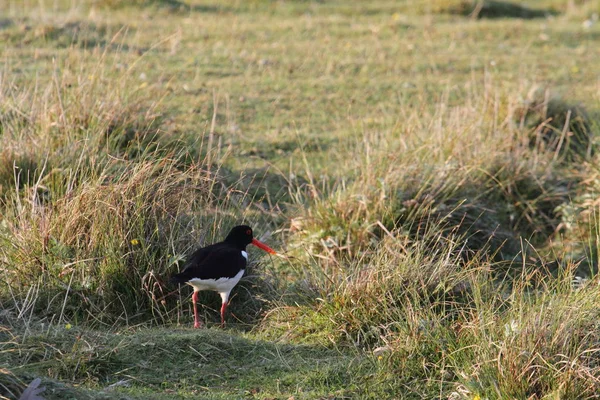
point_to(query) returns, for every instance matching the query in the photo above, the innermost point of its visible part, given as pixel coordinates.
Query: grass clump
(558, 127)
(540, 341)
(364, 300)
(10, 384)
(97, 244)
(578, 235)
(489, 202)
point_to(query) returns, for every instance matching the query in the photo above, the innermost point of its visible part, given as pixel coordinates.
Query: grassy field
(428, 169)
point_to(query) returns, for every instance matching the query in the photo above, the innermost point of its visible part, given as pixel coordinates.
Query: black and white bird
(219, 267)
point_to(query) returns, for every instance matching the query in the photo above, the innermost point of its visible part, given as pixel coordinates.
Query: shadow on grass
(5, 23)
(497, 9)
(169, 5)
(85, 35)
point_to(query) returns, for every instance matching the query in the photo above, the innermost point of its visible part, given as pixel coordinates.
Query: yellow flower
(476, 397)
(68, 326)
(135, 242)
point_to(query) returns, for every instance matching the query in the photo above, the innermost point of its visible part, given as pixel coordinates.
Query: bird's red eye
(249, 232)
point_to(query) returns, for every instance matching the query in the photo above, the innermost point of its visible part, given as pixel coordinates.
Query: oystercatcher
(219, 267)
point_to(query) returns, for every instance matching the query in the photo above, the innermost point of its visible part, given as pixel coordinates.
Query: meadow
(428, 169)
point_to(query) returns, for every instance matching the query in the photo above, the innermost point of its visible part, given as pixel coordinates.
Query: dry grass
(540, 341)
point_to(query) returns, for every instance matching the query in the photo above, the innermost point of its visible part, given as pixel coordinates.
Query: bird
(219, 267)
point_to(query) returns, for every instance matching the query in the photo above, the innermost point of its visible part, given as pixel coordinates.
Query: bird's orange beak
(263, 246)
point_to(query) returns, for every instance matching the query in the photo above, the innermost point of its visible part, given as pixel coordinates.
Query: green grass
(428, 169)
(183, 363)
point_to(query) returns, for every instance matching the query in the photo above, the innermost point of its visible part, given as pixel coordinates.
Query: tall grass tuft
(97, 244)
(491, 191)
(537, 340)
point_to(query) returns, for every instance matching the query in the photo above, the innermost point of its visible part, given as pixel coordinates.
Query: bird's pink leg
(197, 323)
(223, 309)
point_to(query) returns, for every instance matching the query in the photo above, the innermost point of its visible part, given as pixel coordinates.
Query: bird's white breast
(221, 285)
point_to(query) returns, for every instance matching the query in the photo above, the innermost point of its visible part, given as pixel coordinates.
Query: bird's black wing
(198, 256)
(213, 262)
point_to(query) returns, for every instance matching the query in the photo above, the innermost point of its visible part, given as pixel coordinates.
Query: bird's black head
(240, 235)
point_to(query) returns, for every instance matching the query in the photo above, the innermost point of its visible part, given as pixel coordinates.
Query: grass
(429, 171)
(183, 363)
